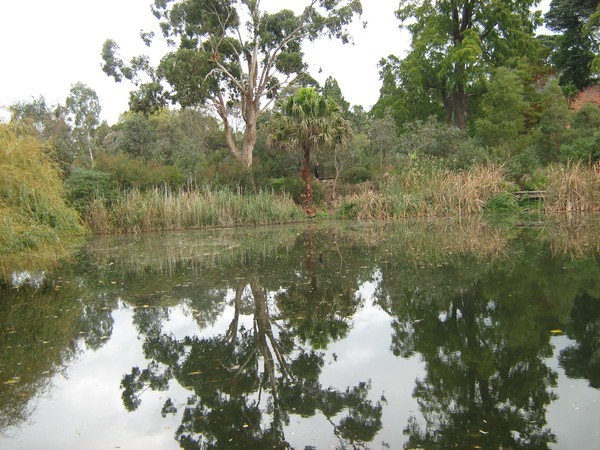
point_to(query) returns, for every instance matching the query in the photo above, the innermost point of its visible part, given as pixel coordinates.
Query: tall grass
(165, 209)
(35, 222)
(573, 188)
(433, 193)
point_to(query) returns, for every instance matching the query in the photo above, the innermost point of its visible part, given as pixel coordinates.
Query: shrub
(84, 186)
(355, 175)
(501, 202)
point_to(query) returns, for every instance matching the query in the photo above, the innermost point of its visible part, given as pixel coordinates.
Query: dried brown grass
(573, 188)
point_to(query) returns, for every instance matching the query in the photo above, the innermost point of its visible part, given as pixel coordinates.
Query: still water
(429, 335)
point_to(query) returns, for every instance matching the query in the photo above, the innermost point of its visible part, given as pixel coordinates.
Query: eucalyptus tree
(308, 121)
(48, 123)
(231, 54)
(455, 43)
(83, 109)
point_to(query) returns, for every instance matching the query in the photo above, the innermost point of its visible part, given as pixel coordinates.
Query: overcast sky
(46, 46)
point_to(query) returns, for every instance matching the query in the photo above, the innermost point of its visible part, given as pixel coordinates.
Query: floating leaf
(12, 381)
(195, 373)
(555, 331)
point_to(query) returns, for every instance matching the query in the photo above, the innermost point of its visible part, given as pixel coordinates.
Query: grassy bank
(434, 193)
(165, 209)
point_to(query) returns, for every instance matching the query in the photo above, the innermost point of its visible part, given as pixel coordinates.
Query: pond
(448, 334)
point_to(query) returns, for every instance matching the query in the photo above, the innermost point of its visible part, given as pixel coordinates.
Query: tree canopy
(455, 44)
(579, 42)
(232, 55)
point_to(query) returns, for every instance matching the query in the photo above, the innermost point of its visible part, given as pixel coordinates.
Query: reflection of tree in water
(482, 328)
(319, 300)
(43, 327)
(582, 359)
(246, 382)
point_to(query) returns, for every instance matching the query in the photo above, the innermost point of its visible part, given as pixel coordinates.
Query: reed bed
(435, 194)
(165, 209)
(573, 188)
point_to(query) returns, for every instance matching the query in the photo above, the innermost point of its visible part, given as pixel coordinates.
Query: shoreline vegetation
(37, 218)
(38, 243)
(574, 188)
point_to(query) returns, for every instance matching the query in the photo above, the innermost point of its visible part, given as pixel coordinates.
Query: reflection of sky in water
(86, 403)
(83, 409)
(577, 407)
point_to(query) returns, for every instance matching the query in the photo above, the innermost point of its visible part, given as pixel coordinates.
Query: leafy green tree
(384, 141)
(583, 136)
(308, 122)
(455, 43)
(332, 91)
(408, 91)
(578, 44)
(231, 54)
(138, 137)
(83, 109)
(553, 122)
(502, 121)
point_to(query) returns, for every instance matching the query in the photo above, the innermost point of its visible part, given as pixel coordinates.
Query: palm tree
(308, 121)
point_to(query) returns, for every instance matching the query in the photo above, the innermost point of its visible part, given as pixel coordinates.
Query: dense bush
(355, 175)
(85, 185)
(34, 213)
(135, 173)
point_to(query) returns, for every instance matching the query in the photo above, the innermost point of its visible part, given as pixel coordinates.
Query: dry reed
(573, 188)
(440, 193)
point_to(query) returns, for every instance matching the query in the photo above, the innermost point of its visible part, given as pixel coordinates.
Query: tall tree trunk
(460, 107)
(249, 138)
(448, 107)
(89, 145)
(305, 174)
(459, 98)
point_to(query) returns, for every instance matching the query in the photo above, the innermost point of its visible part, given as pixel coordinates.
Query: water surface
(426, 335)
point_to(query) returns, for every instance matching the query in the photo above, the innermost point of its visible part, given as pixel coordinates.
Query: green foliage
(583, 138)
(357, 174)
(502, 121)
(553, 121)
(576, 44)
(434, 139)
(455, 44)
(49, 125)
(135, 173)
(32, 198)
(85, 185)
(501, 202)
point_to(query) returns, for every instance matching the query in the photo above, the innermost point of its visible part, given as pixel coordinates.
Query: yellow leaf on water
(555, 331)
(195, 373)
(11, 381)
